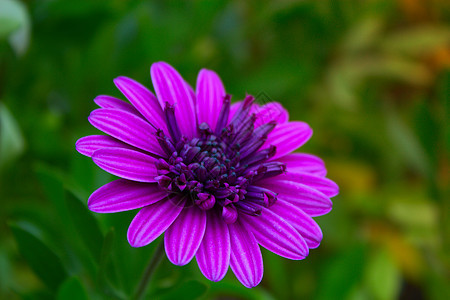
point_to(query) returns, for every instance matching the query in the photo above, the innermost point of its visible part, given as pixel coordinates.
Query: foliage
(371, 78)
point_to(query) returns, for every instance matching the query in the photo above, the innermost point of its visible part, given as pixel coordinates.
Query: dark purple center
(218, 169)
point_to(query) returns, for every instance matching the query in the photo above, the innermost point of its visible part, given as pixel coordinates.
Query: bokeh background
(371, 78)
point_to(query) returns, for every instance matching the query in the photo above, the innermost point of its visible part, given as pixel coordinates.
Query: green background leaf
(72, 289)
(44, 262)
(86, 225)
(11, 141)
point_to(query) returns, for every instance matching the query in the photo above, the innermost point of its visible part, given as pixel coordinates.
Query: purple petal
(302, 162)
(184, 236)
(246, 259)
(298, 219)
(128, 164)
(287, 137)
(89, 144)
(322, 184)
(126, 127)
(233, 109)
(213, 255)
(235, 106)
(144, 100)
(272, 111)
(152, 220)
(277, 235)
(229, 214)
(210, 94)
(310, 200)
(122, 195)
(111, 102)
(171, 87)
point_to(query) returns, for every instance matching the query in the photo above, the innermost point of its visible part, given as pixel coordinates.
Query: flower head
(219, 179)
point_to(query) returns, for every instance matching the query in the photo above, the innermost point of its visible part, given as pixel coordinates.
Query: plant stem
(153, 264)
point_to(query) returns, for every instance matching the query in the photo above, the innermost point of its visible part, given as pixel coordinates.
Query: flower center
(218, 168)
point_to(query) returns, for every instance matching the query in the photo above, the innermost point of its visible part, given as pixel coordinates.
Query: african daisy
(218, 179)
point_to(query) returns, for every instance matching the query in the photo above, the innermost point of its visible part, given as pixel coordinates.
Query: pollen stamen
(217, 169)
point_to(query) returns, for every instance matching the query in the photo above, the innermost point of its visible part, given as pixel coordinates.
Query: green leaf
(53, 187)
(86, 225)
(342, 273)
(362, 36)
(382, 277)
(406, 144)
(72, 289)
(437, 285)
(414, 213)
(5, 271)
(42, 260)
(15, 23)
(54, 182)
(10, 17)
(278, 277)
(11, 140)
(233, 289)
(417, 41)
(105, 255)
(107, 270)
(188, 290)
(8, 25)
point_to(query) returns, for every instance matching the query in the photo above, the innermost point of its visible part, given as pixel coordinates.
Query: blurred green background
(371, 78)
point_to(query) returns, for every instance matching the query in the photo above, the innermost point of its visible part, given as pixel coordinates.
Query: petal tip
(93, 205)
(121, 80)
(206, 72)
(81, 149)
(158, 66)
(323, 210)
(172, 256)
(178, 262)
(216, 277)
(78, 143)
(314, 245)
(133, 241)
(335, 191)
(160, 63)
(314, 241)
(251, 284)
(94, 114)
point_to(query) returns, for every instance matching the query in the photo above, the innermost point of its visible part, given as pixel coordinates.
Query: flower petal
(126, 127)
(111, 102)
(151, 221)
(298, 219)
(184, 236)
(233, 109)
(324, 185)
(213, 255)
(272, 111)
(310, 200)
(303, 162)
(246, 259)
(171, 87)
(121, 195)
(288, 137)
(210, 95)
(144, 100)
(128, 164)
(277, 235)
(235, 106)
(89, 144)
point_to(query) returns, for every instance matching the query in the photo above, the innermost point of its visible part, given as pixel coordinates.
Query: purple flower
(219, 179)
